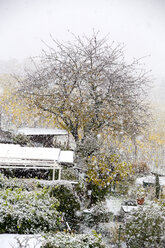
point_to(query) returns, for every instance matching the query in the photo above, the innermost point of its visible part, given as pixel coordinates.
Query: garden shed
(46, 137)
(17, 157)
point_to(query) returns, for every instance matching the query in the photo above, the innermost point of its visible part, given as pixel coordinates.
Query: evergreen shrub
(26, 212)
(61, 240)
(13, 183)
(145, 227)
(69, 203)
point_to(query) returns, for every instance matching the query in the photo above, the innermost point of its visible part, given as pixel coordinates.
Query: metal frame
(17, 163)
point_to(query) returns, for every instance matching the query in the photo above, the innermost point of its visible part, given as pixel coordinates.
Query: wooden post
(157, 186)
(59, 175)
(53, 174)
(68, 141)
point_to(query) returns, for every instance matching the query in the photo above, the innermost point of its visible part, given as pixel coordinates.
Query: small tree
(104, 171)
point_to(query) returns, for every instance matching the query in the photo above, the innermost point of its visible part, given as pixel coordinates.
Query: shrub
(68, 174)
(104, 171)
(61, 240)
(12, 183)
(145, 227)
(22, 140)
(123, 186)
(28, 212)
(98, 213)
(69, 203)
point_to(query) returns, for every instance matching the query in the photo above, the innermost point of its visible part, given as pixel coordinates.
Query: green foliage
(146, 228)
(162, 203)
(68, 174)
(28, 212)
(98, 213)
(123, 186)
(97, 194)
(14, 183)
(22, 140)
(61, 240)
(104, 171)
(69, 203)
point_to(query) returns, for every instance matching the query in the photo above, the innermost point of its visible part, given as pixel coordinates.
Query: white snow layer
(114, 204)
(41, 131)
(66, 157)
(45, 153)
(10, 241)
(151, 180)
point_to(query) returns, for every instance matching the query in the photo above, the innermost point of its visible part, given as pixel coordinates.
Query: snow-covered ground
(114, 204)
(12, 241)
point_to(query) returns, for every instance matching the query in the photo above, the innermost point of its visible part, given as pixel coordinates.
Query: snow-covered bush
(61, 240)
(68, 174)
(145, 227)
(123, 186)
(17, 183)
(69, 203)
(28, 212)
(99, 213)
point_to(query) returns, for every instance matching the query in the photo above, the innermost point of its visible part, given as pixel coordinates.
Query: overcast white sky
(140, 24)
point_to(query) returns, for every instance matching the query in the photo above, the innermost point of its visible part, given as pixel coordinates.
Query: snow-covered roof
(147, 179)
(160, 170)
(162, 181)
(66, 157)
(41, 131)
(150, 180)
(45, 153)
(8, 146)
(30, 152)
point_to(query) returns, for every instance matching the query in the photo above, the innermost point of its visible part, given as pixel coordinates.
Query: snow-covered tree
(86, 85)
